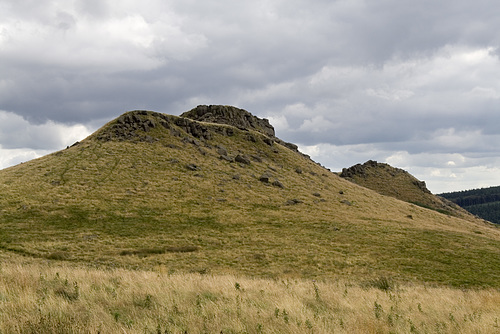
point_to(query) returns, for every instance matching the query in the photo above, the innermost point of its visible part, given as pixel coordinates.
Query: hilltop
(400, 184)
(216, 191)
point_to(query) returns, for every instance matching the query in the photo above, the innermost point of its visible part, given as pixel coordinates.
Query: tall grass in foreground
(37, 298)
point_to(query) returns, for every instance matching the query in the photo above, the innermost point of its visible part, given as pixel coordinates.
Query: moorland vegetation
(208, 222)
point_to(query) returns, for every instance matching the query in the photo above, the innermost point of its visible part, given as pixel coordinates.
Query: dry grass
(41, 298)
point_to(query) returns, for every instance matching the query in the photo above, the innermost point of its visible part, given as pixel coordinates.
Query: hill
(400, 184)
(215, 191)
(484, 203)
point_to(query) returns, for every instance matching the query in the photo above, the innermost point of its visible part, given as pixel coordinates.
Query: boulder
(242, 159)
(266, 177)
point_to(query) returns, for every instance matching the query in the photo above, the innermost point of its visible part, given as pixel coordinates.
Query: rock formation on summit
(238, 118)
(229, 115)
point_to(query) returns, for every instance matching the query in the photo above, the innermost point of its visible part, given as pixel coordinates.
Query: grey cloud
(373, 77)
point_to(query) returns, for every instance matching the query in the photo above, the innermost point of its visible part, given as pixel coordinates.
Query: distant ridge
(398, 183)
(484, 202)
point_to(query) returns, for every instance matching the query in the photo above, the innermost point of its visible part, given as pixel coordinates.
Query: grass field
(54, 298)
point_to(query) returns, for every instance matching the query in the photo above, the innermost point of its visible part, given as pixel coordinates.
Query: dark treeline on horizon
(484, 202)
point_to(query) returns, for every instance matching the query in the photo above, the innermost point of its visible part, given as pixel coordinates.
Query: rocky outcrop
(268, 178)
(132, 126)
(373, 169)
(147, 126)
(136, 126)
(400, 184)
(236, 117)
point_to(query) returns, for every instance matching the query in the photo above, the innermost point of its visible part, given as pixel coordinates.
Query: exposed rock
(172, 146)
(192, 167)
(266, 177)
(251, 138)
(268, 141)
(239, 118)
(221, 150)
(195, 129)
(293, 201)
(242, 159)
(256, 158)
(421, 185)
(278, 184)
(192, 141)
(291, 146)
(127, 126)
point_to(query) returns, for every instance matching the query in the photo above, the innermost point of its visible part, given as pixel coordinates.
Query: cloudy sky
(411, 83)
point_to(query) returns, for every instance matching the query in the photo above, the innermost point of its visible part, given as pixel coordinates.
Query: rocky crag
(400, 184)
(229, 115)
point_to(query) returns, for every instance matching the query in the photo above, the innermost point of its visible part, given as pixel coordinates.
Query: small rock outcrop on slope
(229, 115)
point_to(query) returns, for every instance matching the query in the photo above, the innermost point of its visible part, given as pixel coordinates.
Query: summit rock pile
(229, 115)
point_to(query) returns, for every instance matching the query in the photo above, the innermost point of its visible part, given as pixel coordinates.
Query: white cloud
(16, 134)
(279, 123)
(11, 157)
(134, 39)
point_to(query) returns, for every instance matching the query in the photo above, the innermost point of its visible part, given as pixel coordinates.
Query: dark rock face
(266, 177)
(128, 125)
(422, 186)
(358, 169)
(242, 159)
(195, 129)
(236, 117)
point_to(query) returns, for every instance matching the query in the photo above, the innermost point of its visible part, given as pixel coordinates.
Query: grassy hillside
(155, 191)
(400, 184)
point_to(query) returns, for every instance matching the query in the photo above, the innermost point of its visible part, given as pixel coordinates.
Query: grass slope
(162, 196)
(400, 184)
